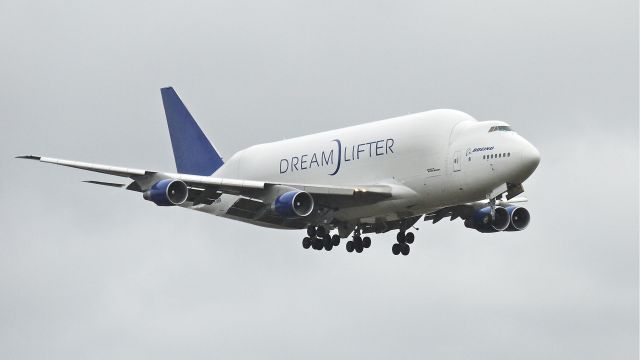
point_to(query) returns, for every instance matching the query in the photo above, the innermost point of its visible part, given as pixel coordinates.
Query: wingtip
(29, 157)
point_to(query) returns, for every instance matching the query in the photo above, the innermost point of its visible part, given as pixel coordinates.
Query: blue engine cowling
(167, 192)
(481, 220)
(519, 218)
(293, 204)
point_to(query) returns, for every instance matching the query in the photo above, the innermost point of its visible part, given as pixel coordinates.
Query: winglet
(192, 151)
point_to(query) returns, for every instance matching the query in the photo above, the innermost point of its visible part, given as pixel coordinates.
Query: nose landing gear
(402, 246)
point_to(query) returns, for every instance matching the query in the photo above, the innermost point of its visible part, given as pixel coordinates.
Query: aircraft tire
(326, 240)
(395, 249)
(359, 247)
(366, 242)
(335, 240)
(306, 243)
(405, 249)
(350, 246)
(409, 237)
(400, 237)
(311, 231)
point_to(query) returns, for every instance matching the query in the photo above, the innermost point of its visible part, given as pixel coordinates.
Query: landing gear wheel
(359, 247)
(400, 237)
(328, 247)
(395, 249)
(335, 240)
(326, 241)
(409, 237)
(357, 240)
(306, 243)
(366, 242)
(317, 244)
(404, 249)
(311, 231)
(350, 246)
(320, 231)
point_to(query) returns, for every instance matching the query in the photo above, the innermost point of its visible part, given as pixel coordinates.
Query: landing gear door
(456, 161)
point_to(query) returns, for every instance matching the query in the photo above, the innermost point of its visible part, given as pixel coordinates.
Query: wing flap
(104, 183)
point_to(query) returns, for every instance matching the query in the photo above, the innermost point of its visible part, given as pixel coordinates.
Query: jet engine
(167, 192)
(481, 220)
(293, 204)
(519, 218)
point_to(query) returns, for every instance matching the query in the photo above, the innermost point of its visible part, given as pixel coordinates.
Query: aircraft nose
(530, 159)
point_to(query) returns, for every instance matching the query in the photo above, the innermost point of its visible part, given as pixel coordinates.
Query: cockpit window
(500, 128)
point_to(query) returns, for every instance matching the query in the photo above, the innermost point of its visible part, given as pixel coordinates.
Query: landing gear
(319, 239)
(358, 243)
(402, 246)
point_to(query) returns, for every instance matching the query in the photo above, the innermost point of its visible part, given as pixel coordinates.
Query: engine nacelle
(167, 192)
(293, 204)
(519, 218)
(481, 220)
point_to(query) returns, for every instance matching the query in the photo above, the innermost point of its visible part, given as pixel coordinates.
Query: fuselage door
(456, 161)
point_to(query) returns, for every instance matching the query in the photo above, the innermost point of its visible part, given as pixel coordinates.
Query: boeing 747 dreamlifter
(371, 178)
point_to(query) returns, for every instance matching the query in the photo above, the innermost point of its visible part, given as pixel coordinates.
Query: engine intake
(167, 192)
(294, 204)
(481, 220)
(519, 218)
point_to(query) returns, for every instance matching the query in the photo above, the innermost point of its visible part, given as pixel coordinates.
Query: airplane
(366, 179)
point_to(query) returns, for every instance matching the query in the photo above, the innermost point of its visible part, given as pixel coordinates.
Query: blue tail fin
(192, 151)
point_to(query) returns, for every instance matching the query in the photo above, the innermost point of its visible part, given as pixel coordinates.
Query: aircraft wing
(205, 188)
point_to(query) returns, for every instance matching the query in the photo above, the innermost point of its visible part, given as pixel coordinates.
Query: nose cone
(530, 160)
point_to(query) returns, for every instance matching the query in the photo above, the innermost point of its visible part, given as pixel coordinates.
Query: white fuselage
(431, 160)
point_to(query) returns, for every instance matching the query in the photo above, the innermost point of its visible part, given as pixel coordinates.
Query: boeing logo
(338, 155)
(483, 148)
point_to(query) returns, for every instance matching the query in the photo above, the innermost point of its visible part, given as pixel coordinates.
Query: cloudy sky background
(88, 272)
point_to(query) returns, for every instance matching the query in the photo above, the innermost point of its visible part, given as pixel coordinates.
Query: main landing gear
(358, 243)
(318, 239)
(402, 246)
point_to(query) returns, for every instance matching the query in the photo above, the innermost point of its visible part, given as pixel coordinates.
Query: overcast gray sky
(89, 272)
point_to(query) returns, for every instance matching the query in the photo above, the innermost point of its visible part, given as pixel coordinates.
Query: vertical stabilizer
(192, 151)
